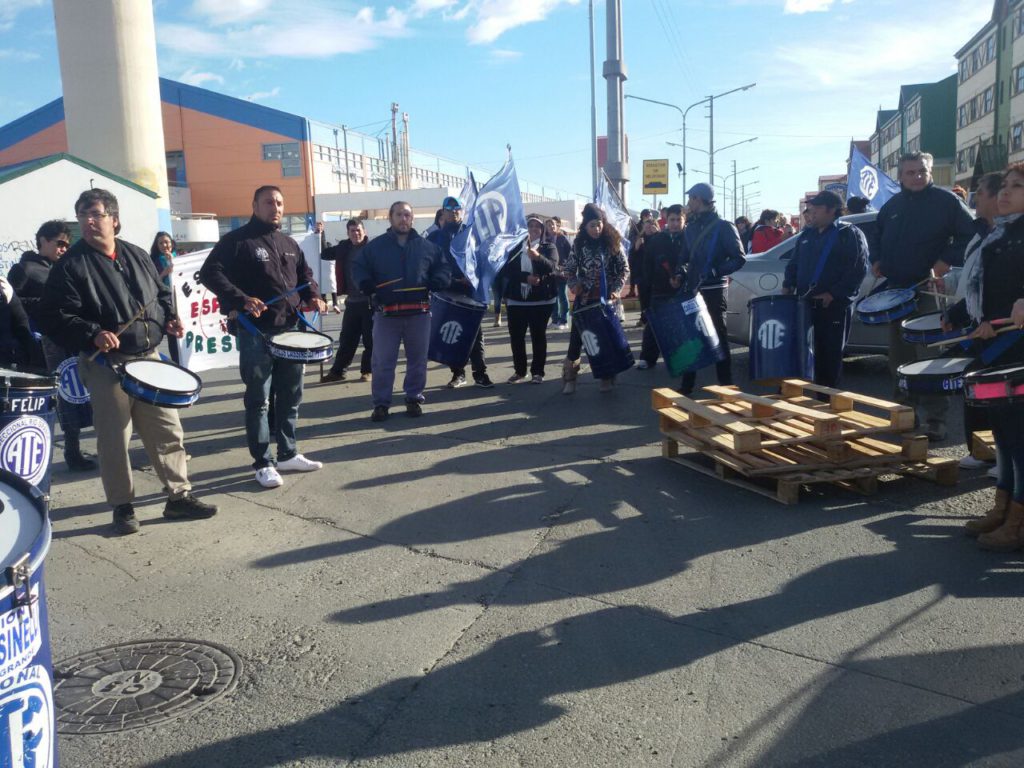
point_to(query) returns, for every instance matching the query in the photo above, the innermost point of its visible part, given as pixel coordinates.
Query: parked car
(763, 273)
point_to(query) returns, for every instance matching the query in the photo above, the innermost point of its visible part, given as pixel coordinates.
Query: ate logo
(451, 332)
(26, 724)
(591, 343)
(771, 334)
(868, 182)
(69, 383)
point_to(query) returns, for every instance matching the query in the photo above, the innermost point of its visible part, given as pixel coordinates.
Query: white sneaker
(299, 463)
(515, 378)
(268, 477)
(969, 462)
(642, 365)
(537, 379)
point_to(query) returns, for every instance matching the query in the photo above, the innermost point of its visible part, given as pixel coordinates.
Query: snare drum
(927, 329)
(941, 376)
(159, 382)
(300, 346)
(995, 386)
(886, 306)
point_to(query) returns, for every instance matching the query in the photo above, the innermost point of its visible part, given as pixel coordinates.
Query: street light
(682, 112)
(711, 122)
(734, 175)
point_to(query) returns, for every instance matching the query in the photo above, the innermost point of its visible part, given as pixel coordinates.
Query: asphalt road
(519, 579)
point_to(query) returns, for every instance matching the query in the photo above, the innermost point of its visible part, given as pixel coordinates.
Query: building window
(1018, 79)
(989, 96)
(990, 49)
(176, 169)
(289, 156)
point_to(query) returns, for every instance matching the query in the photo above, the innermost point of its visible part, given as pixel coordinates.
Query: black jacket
(712, 250)
(416, 264)
(343, 255)
(659, 259)
(917, 229)
(544, 268)
(844, 268)
(28, 277)
(16, 341)
(88, 292)
(258, 260)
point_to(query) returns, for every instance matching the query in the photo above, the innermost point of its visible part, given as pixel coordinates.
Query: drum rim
(468, 302)
(153, 388)
(40, 543)
(941, 374)
(146, 389)
(326, 341)
(909, 294)
(981, 374)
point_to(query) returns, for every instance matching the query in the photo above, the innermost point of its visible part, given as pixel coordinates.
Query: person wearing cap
(828, 265)
(921, 232)
(711, 250)
(529, 296)
(451, 223)
(596, 270)
(560, 309)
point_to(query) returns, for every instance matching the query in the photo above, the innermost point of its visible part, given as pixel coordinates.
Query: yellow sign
(655, 177)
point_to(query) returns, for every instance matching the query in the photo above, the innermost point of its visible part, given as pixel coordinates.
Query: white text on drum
(28, 404)
(20, 639)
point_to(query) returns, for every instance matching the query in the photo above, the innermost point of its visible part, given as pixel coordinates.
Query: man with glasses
(921, 232)
(28, 277)
(104, 296)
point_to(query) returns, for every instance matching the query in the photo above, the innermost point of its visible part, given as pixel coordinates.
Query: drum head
(1003, 373)
(22, 380)
(301, 340)
(943, 366)
(886, 300)
(21, 519)
(163, 376)
(458, 298)
(930, 322)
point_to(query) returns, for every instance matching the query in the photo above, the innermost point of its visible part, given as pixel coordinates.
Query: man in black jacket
(357, 322)
(246, 269)
(90, 303)
(922, 230)
(659, 258)
(28, 277)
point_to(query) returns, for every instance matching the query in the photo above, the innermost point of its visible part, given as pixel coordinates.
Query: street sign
(655, 177)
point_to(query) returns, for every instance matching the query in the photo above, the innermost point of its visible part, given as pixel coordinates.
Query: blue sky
(475, 75)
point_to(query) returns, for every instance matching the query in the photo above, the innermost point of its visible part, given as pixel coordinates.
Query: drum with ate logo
(27, 412)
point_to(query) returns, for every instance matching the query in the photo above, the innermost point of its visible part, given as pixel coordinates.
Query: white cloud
(9, 10)
(807, 6)
(237, 65)
(16, 55)
(493, 18)
(505, 54)
(230, 11)
(191, 77)
(263, 95)
(423, 7)
(318, 30)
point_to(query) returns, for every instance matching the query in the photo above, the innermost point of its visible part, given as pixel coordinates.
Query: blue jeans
(560, 311)
(1007, 425)
(412, 331)
(259, 370)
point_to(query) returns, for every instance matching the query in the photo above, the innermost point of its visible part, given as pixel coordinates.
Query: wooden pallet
(777, 444)
(983, 446)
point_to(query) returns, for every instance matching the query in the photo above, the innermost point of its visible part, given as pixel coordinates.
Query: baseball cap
(827, 199)
(451, 204)
(703, 191)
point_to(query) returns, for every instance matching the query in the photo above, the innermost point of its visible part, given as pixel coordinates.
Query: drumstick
(968, 337)
(390, 282)
(414, 288)
(285, 295)
(124, 327)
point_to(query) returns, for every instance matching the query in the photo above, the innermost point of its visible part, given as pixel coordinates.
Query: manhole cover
(132, 685)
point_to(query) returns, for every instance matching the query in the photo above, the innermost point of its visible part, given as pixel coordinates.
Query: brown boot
(607, 384)
(1010, 535)
(992, 519)
(570, 368)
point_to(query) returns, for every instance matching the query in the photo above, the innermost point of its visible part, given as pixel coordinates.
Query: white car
(763, 273)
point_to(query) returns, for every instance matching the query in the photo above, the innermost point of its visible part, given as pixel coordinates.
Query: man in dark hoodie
(451, 223)
(659, 260)
(921, 231)
(711, 250)
(28, 278)
(246, 269)
(92, 303)
(399, 269)
(357, 322)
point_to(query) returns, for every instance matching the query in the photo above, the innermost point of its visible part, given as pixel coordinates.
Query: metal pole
(348, 177)
(711, 142)
(615, 73)
(734, 207)
(394, 142)
(593, 104)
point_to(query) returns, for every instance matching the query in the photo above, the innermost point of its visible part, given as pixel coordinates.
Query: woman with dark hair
(595, 271)
(995, 290)
(529, 296)
(162, 253)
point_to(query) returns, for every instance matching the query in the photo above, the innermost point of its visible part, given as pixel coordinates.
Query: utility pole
(348, 170)
(711, 140)
(394, 144)
(593, 104)
(615, 73)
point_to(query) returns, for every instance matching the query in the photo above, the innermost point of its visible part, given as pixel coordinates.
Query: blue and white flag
(608, 200)
(495, 224)
(867, 181)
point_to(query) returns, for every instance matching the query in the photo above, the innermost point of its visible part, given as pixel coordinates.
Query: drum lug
(19, 576)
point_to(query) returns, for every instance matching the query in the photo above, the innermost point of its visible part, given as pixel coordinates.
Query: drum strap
(826, 249)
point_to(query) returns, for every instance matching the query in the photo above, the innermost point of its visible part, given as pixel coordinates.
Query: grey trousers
(413, 332)
(115, 415)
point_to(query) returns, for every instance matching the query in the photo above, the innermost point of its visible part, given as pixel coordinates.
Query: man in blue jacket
(712, 249)
(399, 269)
(828, 265)
(922, 230)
